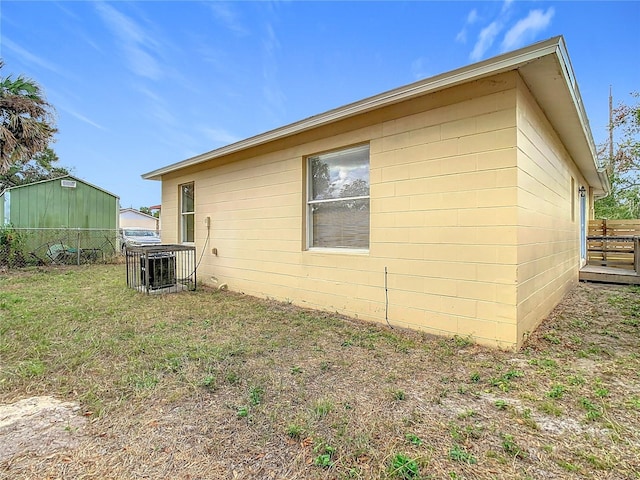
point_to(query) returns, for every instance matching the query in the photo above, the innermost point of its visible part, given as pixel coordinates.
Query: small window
(338, 199)
(187, 213)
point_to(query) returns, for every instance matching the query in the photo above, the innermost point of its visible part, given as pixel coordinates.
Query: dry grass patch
(212, 384)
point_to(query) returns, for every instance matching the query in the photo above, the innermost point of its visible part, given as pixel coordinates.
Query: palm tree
(26, 120)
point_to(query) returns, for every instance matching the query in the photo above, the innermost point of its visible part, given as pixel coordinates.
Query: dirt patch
(39, 425)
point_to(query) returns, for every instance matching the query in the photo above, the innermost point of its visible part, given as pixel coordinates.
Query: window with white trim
(338, 199)
(187, 213)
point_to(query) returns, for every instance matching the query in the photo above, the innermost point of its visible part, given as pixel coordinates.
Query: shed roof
(61, 178)
(545, 68)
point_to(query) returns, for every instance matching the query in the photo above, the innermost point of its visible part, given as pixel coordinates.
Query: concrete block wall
(452, 196)
(548, 230)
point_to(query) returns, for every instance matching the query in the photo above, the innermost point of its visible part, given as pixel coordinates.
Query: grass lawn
(212, 384)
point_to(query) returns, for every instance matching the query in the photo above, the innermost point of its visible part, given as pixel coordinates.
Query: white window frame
(184, 215)
(310, 202)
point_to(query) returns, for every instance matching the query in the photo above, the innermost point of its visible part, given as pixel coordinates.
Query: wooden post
(636, 254)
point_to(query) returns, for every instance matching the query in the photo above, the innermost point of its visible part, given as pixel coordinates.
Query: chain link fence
(23, 247)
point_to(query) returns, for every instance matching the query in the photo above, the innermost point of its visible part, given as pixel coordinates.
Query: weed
(31, 368)
(232, 378)
(546, 363)
(325, 455)
(295, 369)
(413, 439)
(459, 454)
(617, 300)
(511, 447)
(575, 339)
(633, 402)
(569, 467)
(556, 391)
(602, 392)
(255, 395)
(552, 337)
(466, 433)
(144, 381)
(528, 420)
(462, 342)
(593, 412)
(501, 404)
(208, 382)
(579, 323)
(467, 414)
(504, 381)
(398, 395)
(323, 460)
(324, 366)
(551, 408)
(295, 431)
(608, 333)
(354, 472)
(322, 408)
(243, 412)
(475, 377)
(403, 467)
(577, 380)
(173, 364)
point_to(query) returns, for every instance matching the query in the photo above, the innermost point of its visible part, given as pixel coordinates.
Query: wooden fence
(614, 243)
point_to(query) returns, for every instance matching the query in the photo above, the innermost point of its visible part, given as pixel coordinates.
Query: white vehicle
(136, 237)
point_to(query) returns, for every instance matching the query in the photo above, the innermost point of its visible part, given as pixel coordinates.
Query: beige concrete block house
(456, 205)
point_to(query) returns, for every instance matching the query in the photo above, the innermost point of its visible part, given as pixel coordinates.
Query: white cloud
(273, 94)
(485, 40)
(506, 5)
(82, 118)
(135, 42)
(30, 58)
(220, 136)
(228, 17)
(419, 68)
(526, 29)
(488, 34)
(472, 17)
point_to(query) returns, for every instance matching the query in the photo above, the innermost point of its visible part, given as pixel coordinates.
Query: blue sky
(141, 85)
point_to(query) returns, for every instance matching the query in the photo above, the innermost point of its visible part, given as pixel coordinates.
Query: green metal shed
(64, 204)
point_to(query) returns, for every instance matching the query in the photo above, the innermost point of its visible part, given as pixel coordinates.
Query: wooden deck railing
(614, 243)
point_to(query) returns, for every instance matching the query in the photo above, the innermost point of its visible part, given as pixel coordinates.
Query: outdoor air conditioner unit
(68, 183)
(158, 270)
(161, 268)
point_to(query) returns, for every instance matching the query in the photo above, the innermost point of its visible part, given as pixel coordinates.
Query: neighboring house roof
(137, 212)
(64, 177)
(545, 68)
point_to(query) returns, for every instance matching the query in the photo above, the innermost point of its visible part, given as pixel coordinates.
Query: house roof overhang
(545, 68)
